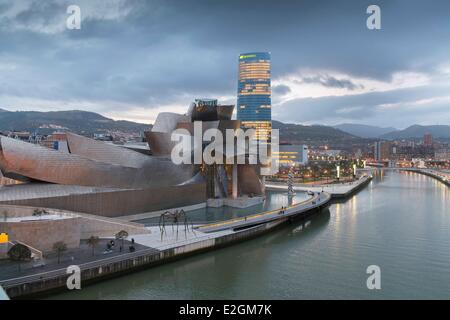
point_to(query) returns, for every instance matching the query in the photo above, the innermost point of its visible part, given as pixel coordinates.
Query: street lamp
(291, 181)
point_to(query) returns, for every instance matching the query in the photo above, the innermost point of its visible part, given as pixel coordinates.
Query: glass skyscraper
(254, 93)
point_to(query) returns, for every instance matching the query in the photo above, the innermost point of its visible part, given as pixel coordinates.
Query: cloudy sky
(134, 58)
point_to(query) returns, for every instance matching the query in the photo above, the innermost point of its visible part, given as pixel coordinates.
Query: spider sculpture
(176, 217)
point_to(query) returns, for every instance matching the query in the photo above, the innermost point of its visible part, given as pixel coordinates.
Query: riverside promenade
(444, 177)
(336, 190)
(162, 247)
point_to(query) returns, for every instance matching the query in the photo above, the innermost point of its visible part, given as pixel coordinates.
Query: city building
(442, 154)
(382, 150)
(418, 163)
(291, 155)
(56, 141)
(428, 140)
(20, 135)
(324, 154)
(254, 106)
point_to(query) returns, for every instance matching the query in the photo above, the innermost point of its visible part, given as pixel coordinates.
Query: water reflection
(274, 200)
(401, 222)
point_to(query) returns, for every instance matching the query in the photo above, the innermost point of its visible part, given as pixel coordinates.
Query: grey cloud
(281, 89)
(332, 82)
(44, 13)
(165, 51)
(366, 108)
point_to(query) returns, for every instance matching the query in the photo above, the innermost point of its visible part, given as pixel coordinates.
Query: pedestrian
(132, 240)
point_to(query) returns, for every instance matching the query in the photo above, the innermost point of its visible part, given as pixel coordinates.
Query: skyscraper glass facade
(254, 93)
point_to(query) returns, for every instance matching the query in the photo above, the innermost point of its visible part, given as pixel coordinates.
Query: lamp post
(290, 182)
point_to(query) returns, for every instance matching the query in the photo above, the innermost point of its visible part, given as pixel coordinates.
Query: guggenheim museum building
(94, 177)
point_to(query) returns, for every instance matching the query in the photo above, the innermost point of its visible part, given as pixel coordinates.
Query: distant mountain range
(412, 132)
(364, 131)
(77, 121)
(296, 133)
(417, 131)
(88, 123)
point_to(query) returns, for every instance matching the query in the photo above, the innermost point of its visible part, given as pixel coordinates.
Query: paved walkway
(312, 183)
(338, 189)
(77, 256)
(315, 201)
(170, 238)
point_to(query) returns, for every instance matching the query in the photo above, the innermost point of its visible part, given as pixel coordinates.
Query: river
(400, 222)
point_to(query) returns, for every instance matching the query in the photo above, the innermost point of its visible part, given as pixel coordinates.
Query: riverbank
(162, 248)
(441, 176)
(397, 222)
(336, 190)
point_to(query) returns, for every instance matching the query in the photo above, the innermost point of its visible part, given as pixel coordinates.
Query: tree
(59, 247)
(19, 253)
(93, 242)
(37, 213)
(121, 235)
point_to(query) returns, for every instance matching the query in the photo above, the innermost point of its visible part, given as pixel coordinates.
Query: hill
(364, 131)
(296, 133)
(82, 122)
(88, 123)
(417, 131)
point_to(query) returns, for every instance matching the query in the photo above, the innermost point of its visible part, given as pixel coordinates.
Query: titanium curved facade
(103, 152)
(254, 106)
(106, 168)
(100, 178)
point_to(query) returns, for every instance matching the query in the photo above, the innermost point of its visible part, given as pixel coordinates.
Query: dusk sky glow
(133, 59)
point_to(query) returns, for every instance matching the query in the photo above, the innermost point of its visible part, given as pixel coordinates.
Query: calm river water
(400, 222)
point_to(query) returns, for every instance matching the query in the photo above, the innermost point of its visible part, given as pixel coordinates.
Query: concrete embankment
(337, 190)
(167, 250)
(3, 295)
(438, 175)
